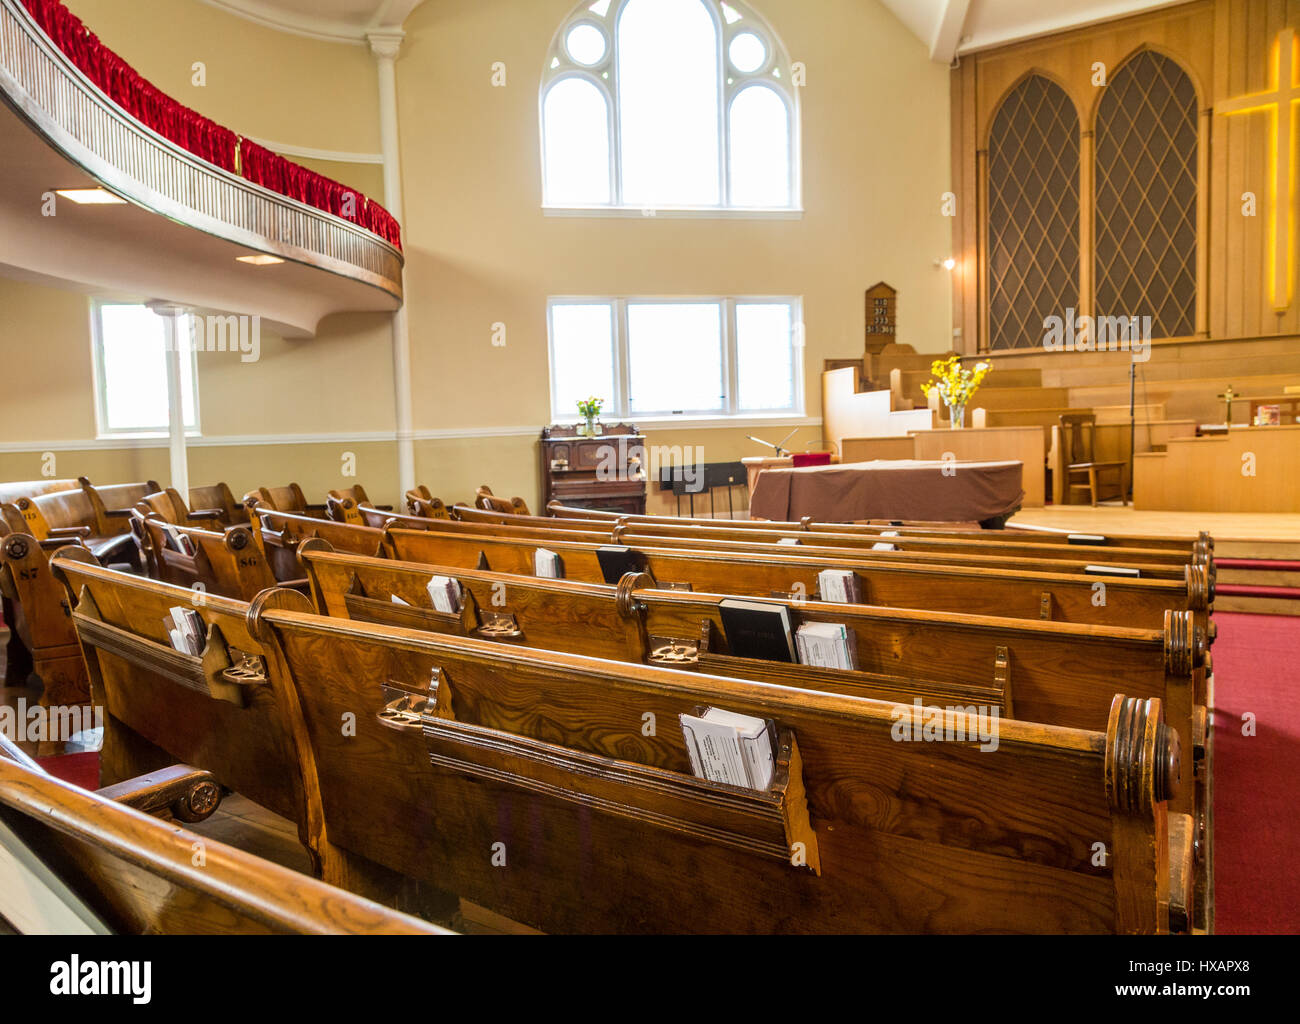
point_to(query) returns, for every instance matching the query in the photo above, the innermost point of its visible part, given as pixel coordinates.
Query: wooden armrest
(191, 794)
(384, 508)
(1181, 874)
(69, 531)
(208, 513)
(117, 513)
(316, 508)
(54, 543)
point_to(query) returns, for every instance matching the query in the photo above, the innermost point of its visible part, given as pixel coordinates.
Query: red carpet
(79, 769)
(1257, 778)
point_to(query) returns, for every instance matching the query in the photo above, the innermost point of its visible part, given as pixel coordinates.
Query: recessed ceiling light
(260, 260)
(89, 196)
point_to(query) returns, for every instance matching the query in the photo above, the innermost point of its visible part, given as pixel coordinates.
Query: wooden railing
(67, 110)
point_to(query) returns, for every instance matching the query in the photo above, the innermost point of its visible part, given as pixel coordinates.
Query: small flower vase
(590, 429)
(957, 416)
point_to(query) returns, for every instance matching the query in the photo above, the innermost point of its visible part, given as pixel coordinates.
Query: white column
(180, 468)
(385, 45)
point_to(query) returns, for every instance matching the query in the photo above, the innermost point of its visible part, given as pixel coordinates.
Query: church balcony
(185, 220)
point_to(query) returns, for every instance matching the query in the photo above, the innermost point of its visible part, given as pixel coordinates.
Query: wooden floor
(1236, 530)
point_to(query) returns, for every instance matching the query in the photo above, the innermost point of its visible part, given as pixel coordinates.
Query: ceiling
(951, 28)
(334, 20)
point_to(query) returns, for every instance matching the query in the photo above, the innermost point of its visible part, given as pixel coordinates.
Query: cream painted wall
(479, 250)
(260, 81)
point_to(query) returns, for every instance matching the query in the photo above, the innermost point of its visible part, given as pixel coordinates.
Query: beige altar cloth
(903, 489)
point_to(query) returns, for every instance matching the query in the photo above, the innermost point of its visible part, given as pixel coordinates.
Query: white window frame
(100, 382)
(618, 405)
(775, 74)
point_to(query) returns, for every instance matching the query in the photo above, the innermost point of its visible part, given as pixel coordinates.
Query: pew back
(530, 783)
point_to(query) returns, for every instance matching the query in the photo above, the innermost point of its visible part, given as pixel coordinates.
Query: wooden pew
(344, 505)
(113, 503)
(721, 530)
(280, 533)
(69, 515)
(1158, 565)
(532, 784)
(42, 639)
(226, 711)
(284, 499)
(485, 499)
(220, 497)
(170, 507)
(230, 563)
(420, 493)
(1019, 534)
(1019, 594)
(1059, 673)
(90, 863)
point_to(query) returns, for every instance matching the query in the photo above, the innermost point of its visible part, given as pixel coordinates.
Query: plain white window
(669, 105)
(130, 361)
(582, 354)
(760, 153)
(675, 358)
(663, 358)
(577, 142)
(668, 84)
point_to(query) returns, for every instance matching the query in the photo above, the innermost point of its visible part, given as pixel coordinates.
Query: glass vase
(957, 416)
(589, 430)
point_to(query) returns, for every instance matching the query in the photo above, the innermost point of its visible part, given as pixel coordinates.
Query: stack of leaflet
(185, 630)
(839, 586)
(885, 545)
(726, 747)
(546, 564)
(827, 645)
(446, 594)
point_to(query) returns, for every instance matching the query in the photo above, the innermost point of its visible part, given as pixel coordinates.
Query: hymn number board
(882, 304)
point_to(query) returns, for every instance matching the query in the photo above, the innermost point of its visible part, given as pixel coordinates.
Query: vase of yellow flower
(589, 409)
(956, 385)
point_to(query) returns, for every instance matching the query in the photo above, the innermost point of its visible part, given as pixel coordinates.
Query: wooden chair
(1078, 437)
(97, 863)
(219, 497)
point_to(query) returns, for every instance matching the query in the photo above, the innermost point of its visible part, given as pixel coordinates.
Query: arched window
(1147, 195)
(1033, 218)
(669, 104)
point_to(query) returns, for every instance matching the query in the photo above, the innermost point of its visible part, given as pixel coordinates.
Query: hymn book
(617, 561)
(445, 593)
(756, 630)
(546, 564)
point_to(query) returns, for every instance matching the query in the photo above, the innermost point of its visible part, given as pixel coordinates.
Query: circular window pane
(748, 53)
(586, 44)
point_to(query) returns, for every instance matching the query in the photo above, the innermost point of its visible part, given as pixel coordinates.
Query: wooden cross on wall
(1279, 102)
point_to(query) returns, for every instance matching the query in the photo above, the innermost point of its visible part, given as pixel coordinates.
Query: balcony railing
(61, 104)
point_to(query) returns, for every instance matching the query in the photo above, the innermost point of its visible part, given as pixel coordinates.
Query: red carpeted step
(1250, 590)
(1256, 565)
(1257, 777)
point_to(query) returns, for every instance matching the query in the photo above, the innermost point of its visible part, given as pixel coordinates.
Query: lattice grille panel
(1033, 255)
(1146, 196)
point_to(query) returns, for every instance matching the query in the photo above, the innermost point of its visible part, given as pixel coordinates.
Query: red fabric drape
(200, 135)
